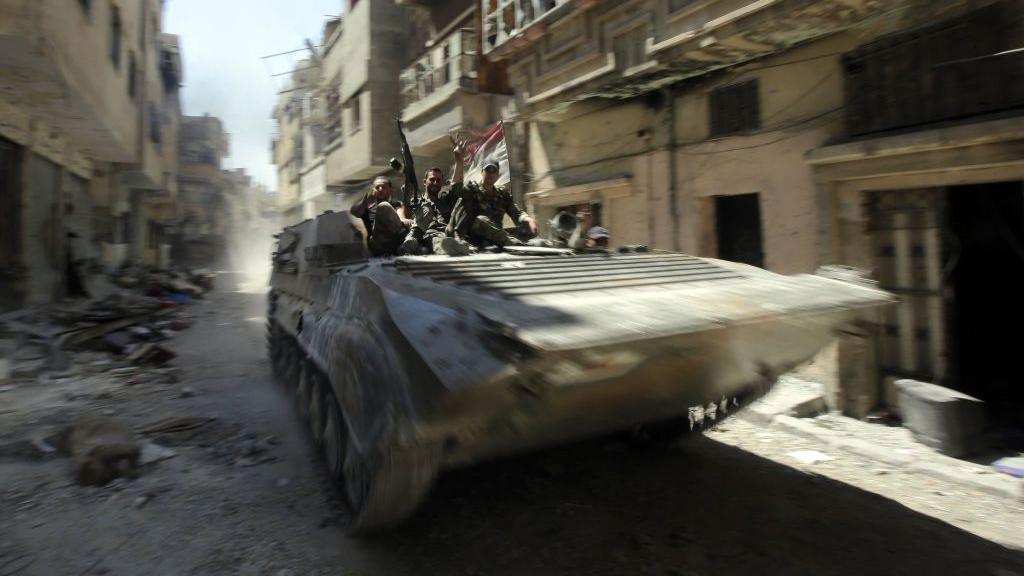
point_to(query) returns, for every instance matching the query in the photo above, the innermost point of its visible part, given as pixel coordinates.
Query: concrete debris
(32, 448)
(1012, 465)
(809, 456)
(129, 323)
(152, 452)
(951, 422)
(102, 449)
(152, 354)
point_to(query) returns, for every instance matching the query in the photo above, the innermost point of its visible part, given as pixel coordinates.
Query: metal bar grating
(521, 276)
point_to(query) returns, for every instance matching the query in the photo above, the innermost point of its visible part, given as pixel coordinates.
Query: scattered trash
(180, 298)
(152, 354)
(152, 452)
(187, 392)
(141, 501)
(809, 456)
(1012, 465)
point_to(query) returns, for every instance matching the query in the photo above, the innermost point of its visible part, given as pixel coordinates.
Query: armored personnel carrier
(407, 366)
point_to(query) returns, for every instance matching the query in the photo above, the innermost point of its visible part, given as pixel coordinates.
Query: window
(735, 108)
(446, 70)
(131, 75)
(115, 36)
(356, 112)
(154, 124)
(630, 48)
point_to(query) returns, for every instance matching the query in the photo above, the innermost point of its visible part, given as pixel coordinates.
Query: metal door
(906, 230)
(43, 254)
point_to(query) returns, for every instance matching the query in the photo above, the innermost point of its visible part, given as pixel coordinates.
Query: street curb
(989, 482)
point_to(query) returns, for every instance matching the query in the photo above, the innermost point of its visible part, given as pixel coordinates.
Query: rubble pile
(88, 349)
(129, 322)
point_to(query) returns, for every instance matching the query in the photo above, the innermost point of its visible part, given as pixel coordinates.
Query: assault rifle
(412, 196)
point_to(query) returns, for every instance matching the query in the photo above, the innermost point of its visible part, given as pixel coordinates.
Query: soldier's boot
(388, 231)
(483, 228)
(411, 247)
(449, 246)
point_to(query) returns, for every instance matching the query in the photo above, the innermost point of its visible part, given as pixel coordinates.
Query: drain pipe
(673, 188)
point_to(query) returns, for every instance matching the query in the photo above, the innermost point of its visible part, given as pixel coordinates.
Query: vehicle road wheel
(386, 490)
(303, 388)
(317, 406)
(335, 438)
(381, 490)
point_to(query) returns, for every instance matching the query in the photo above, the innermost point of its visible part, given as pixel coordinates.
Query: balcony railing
(451, 59)
(505, 19)
(332, 118)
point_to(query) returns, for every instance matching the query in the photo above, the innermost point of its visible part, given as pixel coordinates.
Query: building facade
(791, 135)
(450, 87)
(362, 59)
(294, 123)
(202, 231)
(82, 103)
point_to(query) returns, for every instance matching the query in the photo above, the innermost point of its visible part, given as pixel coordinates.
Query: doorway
(10, 225)
(738, 228)
(985, 276)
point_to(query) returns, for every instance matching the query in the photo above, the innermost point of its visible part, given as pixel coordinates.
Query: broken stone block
(951, 422)
(103, 449)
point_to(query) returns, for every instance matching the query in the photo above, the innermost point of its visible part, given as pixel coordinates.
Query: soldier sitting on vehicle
(598, 237)
(430, 216)
(384, 227)
(481, 209)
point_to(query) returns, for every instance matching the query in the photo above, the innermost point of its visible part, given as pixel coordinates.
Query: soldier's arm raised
(458, 154)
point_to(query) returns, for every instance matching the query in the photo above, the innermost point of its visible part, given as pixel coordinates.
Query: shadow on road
(603, 508)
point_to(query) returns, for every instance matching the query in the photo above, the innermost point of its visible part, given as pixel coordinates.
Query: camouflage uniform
(428, 234)
(447, 198)
(478, 215)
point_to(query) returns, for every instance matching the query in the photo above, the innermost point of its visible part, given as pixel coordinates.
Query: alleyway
(245, 495)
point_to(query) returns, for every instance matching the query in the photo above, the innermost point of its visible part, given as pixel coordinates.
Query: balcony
(583, 50)
(507, 23)
(449, 66)
(443, 90)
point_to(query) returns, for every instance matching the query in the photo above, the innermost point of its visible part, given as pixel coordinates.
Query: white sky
(222, 42)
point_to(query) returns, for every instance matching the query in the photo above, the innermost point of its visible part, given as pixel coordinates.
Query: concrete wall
(801, 98)
(61, 55)
(364, 64)
(69, 104)
(596, 145)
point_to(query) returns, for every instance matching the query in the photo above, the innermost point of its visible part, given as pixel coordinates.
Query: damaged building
(201, 232)
(88, 95)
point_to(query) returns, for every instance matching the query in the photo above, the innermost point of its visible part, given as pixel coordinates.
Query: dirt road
(245, 495)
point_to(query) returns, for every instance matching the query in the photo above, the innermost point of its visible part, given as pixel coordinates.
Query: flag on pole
(485, 147)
